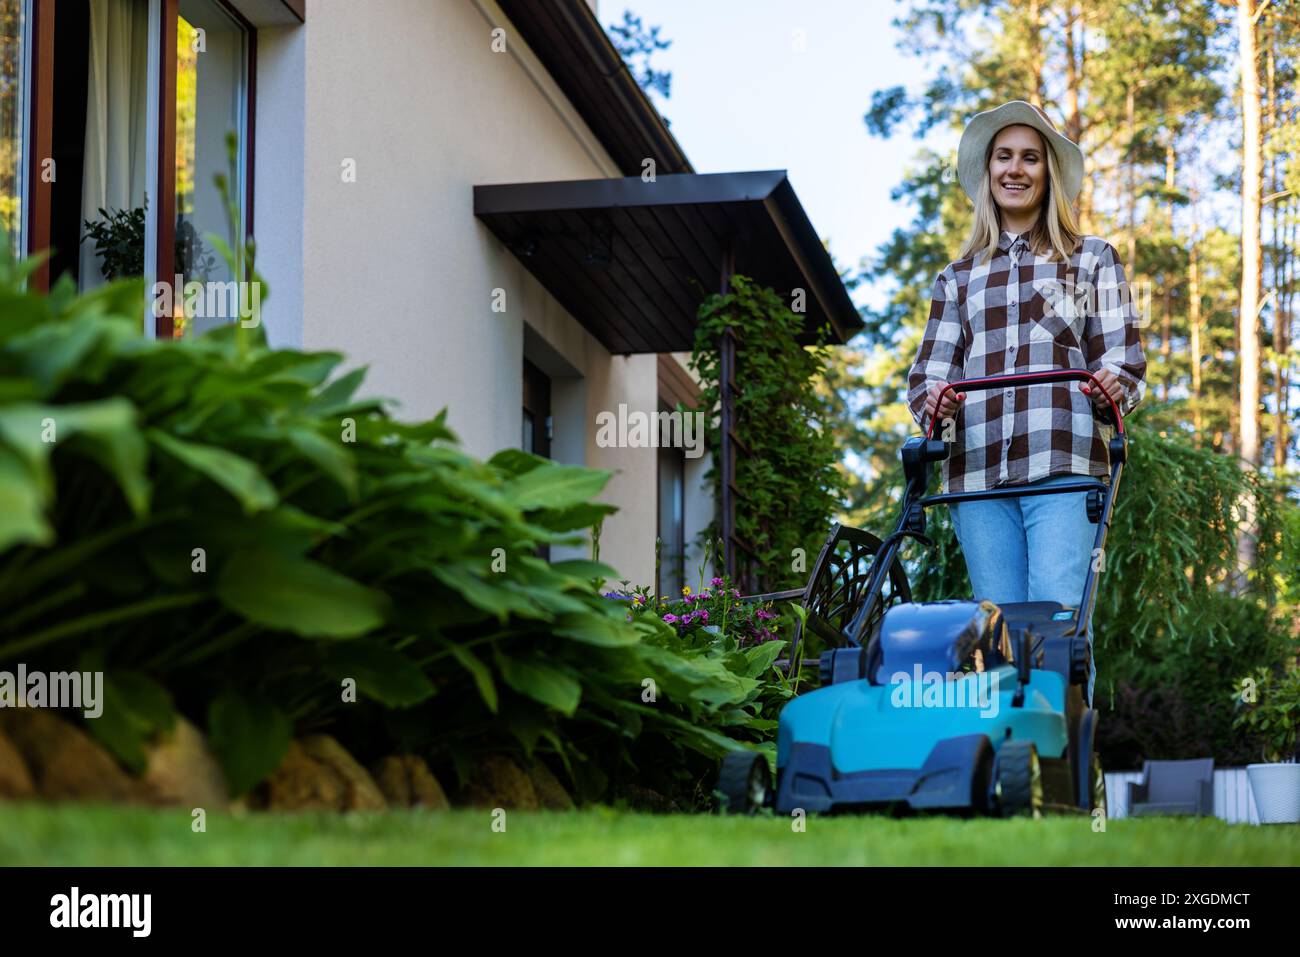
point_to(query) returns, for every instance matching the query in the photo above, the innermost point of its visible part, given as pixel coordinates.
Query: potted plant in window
(1270, 708)
(119, 241)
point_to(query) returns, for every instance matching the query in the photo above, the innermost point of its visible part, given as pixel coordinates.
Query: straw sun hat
(983, 127)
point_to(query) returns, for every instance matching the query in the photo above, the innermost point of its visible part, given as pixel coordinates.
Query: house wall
(393, 269)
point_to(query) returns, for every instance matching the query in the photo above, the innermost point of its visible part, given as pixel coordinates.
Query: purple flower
(671, 619)
(715, 582)
(704, 615)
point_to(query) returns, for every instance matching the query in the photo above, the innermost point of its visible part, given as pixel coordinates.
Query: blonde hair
(1057, 230)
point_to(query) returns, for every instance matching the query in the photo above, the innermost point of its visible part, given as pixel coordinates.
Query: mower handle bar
(1025, 378)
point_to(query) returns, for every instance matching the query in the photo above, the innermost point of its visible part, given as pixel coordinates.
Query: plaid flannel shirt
(1017, 312)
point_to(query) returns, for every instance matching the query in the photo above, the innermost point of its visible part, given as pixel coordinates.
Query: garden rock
(550, 792)
(406, 781)
(15, 781)
(496, 781)
(63, 761)
(183, 771)
(317, 774)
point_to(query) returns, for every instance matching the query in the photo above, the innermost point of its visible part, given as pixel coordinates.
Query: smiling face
(1018, 173)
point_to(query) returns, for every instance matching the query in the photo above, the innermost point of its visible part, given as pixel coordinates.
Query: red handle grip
(1026, 378)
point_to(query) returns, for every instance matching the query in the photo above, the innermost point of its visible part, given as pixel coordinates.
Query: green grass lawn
(87, 835)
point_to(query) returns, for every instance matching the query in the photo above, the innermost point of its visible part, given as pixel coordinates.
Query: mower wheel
(1019, 784)
(1090, 781)
(744, 783)
(1098, 786)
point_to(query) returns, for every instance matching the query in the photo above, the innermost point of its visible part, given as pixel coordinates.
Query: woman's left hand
(1109, 382)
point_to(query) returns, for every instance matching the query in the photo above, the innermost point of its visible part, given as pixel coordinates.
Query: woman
(1028, 293)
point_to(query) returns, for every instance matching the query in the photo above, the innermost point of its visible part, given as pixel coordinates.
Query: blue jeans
(1035, 548)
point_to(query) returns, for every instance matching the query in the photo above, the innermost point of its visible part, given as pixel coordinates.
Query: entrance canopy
(632, 260)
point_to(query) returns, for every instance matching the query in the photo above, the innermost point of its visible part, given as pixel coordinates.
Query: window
(13, 67)
(211, 99)
(99, 195)
(672, 515)
(131, 101)
(537, 411)
(676, 389)
(536, 436)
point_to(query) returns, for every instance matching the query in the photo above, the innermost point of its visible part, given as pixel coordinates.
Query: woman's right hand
(950, 404)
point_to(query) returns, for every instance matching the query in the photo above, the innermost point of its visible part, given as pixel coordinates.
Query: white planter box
(1276, 788)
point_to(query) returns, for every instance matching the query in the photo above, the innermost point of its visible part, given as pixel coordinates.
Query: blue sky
(743, 98)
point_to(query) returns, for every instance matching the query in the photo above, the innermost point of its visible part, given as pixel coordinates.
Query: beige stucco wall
(393, 269)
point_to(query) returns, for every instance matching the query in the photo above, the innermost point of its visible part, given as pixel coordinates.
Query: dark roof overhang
(632, 259)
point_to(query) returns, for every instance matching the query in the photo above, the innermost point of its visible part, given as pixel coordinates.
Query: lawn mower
(957, 706)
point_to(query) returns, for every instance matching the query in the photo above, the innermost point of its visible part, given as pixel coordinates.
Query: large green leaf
(574, 517)
(554, 486)
(517, 461)
(238, 476)
(597, 629)
(541, 682)
(107, 432)
(762, 657)
(337, 396)
(22, 505)
(54, 350)
(286, 365)
(250, 736)
(296, 594)
(111, 438)
(480, 672)
(331, 457)
(493, 593)
(380, 671)
(582, 570)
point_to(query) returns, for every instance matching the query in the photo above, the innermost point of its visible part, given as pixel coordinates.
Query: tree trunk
(1281, 338)
(1194, 313)
(1167, 322)
(1131, 163)
(1248, 356)
(1073, 122)
(1036, 53)
(1086, 204)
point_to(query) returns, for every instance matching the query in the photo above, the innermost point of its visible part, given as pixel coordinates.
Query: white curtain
(116, 118)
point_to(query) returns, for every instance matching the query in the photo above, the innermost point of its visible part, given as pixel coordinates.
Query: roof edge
(589, 43)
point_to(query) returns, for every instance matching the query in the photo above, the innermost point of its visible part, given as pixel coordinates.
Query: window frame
(165, 259)
(161, 219)
(39, 133)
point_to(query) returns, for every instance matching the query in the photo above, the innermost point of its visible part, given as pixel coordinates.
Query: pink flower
(716, 582)
(704, 615)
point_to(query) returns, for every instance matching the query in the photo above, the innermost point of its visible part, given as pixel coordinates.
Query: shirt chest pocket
(1053, 315)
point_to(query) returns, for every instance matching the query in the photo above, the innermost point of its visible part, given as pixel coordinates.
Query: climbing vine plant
(789, 485)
